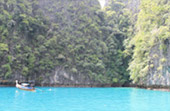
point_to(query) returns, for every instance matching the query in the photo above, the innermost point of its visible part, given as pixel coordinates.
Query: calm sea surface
(84, 99)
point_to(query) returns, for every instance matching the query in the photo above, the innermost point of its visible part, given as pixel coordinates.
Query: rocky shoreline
(154, 88)
(165, 90)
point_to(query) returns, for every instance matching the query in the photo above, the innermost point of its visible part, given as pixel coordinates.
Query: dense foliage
(152, 29)
(118, 19)
(38, 36)
(77, 36)
(21, 25)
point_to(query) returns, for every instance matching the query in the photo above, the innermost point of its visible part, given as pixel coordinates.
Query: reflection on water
(84, 99)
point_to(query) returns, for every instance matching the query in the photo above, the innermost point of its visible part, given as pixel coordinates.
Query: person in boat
(24, 86)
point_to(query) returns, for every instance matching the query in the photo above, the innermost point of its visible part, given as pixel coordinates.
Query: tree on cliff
(152, 29)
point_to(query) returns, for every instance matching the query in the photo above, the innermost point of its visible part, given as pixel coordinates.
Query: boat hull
(25, 88)
(33, 90)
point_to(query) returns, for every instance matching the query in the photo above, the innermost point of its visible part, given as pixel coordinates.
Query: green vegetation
(108, 46)
(152, 30)
(35, 38)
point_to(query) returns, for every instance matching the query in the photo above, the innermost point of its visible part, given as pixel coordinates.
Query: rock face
(133, 5)
(62, 77)
(159, 68)
(63, 21)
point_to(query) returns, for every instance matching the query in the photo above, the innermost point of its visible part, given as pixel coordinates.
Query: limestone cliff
(72, 42)
(159, 66)
(150, 45)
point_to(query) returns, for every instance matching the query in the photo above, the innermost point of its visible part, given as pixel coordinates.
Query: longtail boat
(24, 86)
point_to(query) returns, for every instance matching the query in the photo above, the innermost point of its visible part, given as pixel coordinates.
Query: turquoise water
(84, 99)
